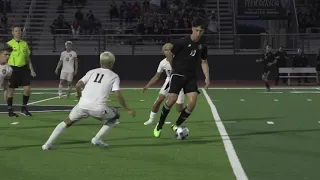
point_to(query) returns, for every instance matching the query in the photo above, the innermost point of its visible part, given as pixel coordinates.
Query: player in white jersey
(97, 84)
(164, 66)
(5, 69)
(69, 62)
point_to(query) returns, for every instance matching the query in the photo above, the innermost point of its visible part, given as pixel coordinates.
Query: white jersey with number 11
(98, 85)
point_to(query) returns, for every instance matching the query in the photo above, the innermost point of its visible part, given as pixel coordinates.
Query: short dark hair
(199, 21)
(5, 47)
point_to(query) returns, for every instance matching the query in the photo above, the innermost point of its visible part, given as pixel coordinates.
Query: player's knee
(26, 90)
(68, 122)
(172, 99)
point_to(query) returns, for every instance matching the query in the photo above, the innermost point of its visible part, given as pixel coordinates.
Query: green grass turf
(133, 153)
(288, 149)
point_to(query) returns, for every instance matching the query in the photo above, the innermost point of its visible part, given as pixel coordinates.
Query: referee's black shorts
(20, 77)
(178, 82)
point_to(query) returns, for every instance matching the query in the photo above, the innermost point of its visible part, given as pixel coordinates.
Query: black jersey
(282, 58)
(267, 58)
(187, 56)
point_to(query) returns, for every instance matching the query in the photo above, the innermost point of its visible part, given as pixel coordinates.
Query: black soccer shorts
(266, 70)
(20, 77)
(178, 82)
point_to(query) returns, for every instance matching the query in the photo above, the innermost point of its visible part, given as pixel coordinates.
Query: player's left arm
(205, 65)
(28, 53)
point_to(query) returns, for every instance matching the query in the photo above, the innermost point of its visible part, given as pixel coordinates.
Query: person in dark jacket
(300, 60)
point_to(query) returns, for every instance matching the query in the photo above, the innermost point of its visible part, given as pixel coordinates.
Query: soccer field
(233, 131)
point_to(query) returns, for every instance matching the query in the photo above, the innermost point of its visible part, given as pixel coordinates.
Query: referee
(21, 69)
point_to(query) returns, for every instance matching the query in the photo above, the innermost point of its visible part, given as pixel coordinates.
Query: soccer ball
(181, 133)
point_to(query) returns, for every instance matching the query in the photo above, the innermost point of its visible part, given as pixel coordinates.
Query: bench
(306, 72)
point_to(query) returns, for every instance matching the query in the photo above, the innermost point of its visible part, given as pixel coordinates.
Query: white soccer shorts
(165, 91)
(78, 113)
(66, 76)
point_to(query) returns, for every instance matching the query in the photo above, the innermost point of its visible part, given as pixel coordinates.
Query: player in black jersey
(189, 52)
(267, 59)
(318, 66)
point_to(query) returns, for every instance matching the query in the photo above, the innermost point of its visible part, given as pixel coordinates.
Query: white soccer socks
(60, 90)
(56, 132)
(102, 132)
(151, 118)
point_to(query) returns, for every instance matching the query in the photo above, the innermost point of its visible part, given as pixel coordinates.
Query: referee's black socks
(164, 113)
(25, 100)
(9, 102)
(183, 116)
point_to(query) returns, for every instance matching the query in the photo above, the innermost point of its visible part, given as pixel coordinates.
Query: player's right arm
(82, 83)
(120, 98)
(59, 64)
(155, 78)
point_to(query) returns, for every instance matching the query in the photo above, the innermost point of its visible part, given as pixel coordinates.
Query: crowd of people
(83, 23)
(309, 16)
(140, 18)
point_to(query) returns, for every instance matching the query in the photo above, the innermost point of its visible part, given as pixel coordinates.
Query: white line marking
(305, 92)
(48, 99)
(270, 122)
(142, 100)
(271, 92)
(14, 123)
(42, 105)
(232, 155)
(318, 121)
(242, 100)
(43, 111)
(216, 88)
(276, 100)
(167, 122)
(309, 99)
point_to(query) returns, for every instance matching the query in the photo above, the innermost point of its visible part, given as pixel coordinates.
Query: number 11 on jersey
(98, 78)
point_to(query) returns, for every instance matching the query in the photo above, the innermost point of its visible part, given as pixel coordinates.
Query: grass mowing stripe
(232, 155)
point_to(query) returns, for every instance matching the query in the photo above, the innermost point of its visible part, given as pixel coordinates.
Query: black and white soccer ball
(181, 133)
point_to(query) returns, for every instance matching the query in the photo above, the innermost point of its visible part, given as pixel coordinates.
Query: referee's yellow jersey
(20, 53)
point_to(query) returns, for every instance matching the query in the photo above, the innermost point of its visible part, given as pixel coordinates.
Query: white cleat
(46, 147)
(150, 121)
(60, 96)
(98, 142)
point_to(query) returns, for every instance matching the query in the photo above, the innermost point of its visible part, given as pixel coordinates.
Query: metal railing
(28, 18)
(244, 43)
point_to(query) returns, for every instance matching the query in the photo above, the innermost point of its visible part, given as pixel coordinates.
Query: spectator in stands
(4, 22)
(300, 60)
(75, 28)
(136, 9)
(113, 11)
(90, 16)
(213, 28)
(129, 14)
(123, 8)
(146, 6)
(78, 15)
